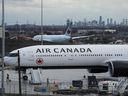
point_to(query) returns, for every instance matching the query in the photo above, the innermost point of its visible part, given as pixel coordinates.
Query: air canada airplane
(59, 39)
(96, 58)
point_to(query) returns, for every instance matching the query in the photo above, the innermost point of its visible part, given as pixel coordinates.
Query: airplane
(95, 58)
(59, 39)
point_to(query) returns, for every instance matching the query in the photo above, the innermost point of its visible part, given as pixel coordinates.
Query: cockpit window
(13, 55)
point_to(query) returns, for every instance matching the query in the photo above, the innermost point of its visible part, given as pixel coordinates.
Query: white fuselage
(68, 55)
(53, 38)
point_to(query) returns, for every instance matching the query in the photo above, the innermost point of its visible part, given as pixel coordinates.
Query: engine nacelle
(98, 70)
(118, 68)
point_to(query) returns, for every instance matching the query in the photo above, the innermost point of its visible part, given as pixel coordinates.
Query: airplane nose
(34, 38)
(6, 60)
(10, 60)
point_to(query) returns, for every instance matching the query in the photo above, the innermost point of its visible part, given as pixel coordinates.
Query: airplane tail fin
(68, 31)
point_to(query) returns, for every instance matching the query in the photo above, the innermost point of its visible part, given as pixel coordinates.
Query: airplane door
(30, 55)
(27, 57)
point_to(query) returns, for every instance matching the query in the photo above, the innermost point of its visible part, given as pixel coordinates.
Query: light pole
(19, 71)
(3, 49)
(42, 22)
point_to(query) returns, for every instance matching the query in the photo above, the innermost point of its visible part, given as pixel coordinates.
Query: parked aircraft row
(95, 58)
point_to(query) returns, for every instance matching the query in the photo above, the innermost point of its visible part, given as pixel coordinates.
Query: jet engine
(98, 69)
(118, 68)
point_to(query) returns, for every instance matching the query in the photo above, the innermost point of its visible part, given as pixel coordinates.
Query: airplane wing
(81, 37)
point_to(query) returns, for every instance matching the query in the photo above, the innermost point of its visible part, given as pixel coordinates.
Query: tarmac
(11, 86)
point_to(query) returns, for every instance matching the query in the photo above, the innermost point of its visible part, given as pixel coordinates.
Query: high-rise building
(107, 21)
(68, 22)
(115, 23)
(125, 22)
(111, 21)
(100, 20)
(85, 22)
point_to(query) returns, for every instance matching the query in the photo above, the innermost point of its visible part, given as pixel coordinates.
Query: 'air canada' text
(63, 50)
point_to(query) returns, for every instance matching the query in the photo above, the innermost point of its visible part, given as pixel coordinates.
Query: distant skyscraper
(85, 22)
(111, 21)
(114, 22)
(103, 23)
(107, 21)
(100, 20)
(125, 22)
(68, 22)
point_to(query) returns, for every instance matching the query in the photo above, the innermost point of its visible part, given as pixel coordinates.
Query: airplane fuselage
(68, 55)
(53, 38)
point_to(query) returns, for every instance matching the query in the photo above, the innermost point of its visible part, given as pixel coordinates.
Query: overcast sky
(58, 11)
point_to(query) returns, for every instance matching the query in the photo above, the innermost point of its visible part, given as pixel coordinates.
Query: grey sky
(58, 11)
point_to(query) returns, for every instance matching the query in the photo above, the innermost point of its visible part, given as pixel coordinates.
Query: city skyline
(58, 11)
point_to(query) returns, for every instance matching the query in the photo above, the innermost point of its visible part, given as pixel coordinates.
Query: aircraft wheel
(25, 77)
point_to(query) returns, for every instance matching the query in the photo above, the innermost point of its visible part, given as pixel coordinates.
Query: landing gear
(25, 77)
